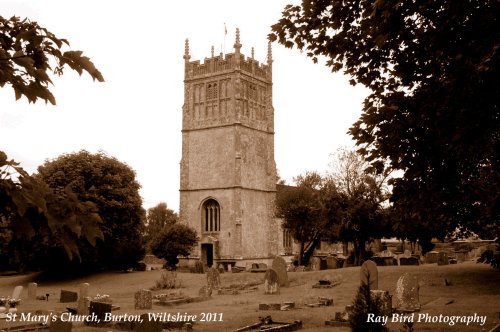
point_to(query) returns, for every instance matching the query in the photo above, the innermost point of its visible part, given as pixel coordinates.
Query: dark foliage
(172, 241)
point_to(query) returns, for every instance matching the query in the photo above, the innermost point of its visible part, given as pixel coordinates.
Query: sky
(135, 116)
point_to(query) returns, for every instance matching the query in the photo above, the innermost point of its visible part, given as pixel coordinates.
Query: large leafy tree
(361, 197)
(432, 67)
(31, 213)
(302, 213)
(159, 217)
(112, 187)
(172, 241)
(29, 53)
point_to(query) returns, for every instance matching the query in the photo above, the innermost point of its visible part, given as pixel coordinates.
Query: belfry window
(211, 216)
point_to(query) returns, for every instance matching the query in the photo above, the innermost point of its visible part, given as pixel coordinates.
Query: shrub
(168, 280)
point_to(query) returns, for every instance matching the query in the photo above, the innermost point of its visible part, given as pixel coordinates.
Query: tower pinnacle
(237, 44)
(186, 50)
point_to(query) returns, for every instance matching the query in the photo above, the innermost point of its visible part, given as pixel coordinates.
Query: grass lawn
(474, 289)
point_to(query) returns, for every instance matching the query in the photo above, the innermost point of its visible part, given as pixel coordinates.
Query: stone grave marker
(369, 274)
(68, 296)
(99, 309)
(431, 257)
(84, 290)
(407, 253)
(409, 261)
(32, 286)
(16, 293)
(279, 265)
(331, 262)
(406, 294)
(205, 292)
(315, 263)
(146, 325)
(143, 299)
(271, 282)
(60, 326)
(83, 306)
(443, 258)
(213, 278)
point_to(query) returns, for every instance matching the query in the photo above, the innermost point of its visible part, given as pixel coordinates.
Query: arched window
(211, 216)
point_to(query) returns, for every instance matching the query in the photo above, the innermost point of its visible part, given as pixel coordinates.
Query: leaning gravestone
(146, 325)
(205, 292)
(369, 274)
(68, 296)
(99, 310)
(443, 258)
(213, 278)
(59, 325)
(271, 282)
(406, 294)
(143, 299)
(32, 290)
(279, 265)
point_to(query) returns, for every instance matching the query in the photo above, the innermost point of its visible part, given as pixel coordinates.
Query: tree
(433, 112)
(159, 217)
(112, 187)
(29, 52)
(172, 241)
(301, 211)
(362, 217)
(30, 213)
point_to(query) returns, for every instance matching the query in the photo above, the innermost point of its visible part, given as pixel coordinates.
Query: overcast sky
(135, 115)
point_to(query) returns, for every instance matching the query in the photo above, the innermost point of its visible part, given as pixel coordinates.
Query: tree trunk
(301, 253)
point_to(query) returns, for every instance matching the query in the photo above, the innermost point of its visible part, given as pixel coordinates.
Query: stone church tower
(228, 172)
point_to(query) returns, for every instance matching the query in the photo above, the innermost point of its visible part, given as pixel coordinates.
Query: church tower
(228, 172)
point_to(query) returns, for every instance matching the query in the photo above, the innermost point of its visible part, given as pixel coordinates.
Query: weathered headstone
(84, 290)
(16, 293)
(406, 294)
(213, 278)
(32, 290)
(146, 325)
(205, 292)
(83, 305)
(59, 325)
(143, 299)
(279, 265)
(443, 258)
(431, 257)
(315, 263)
(409, 261)
(462, 255)
(68, 296)
(331, 262)
(385, 300)
(271, 282)
(407, 253)
(369, 274)
(99, 309)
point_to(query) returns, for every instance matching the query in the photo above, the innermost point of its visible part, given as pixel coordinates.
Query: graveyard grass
(474, 288)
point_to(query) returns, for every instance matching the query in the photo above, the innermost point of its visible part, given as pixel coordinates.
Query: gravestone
(32, 286)
(213, 278)
(205, 292)
(407, 253)
(16, 293)
(369, 274)
(409, 261)
(315, 263)
(84, 290)
(146, 325)
(60, 326)
(271, 282)
(406, 294)
(331, 262)
(279, 265)
(68, 296)
(99, 309)
(385, 300)
(443, 258)
(83, 305)
(143, 299)
(431, 257)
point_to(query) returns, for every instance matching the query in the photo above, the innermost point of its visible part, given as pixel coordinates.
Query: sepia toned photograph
(225, 165)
